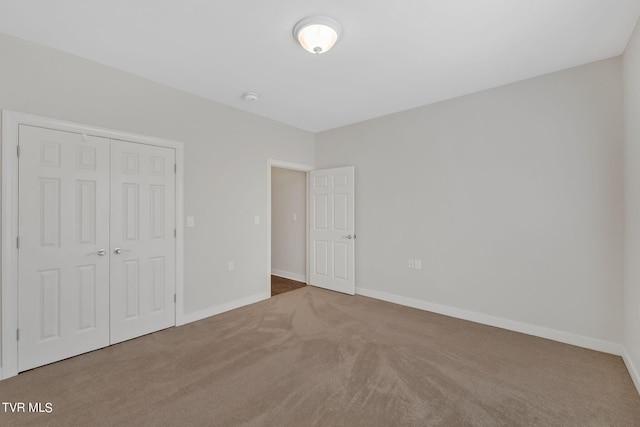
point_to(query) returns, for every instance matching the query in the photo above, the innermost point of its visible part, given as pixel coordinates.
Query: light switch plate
(191, 222)
(256, 220)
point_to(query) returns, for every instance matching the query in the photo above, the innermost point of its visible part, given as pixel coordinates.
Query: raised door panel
(142, 231)
(64, 221)
(332, 231)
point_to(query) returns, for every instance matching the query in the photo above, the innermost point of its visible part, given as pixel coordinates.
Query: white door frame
(10, 123)
(273, 163)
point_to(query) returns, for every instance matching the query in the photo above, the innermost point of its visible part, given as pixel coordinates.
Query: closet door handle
(101, 252)
(117, 251)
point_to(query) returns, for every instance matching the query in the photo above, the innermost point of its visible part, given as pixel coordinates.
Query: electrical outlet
(417, 264)
(230, 265)
(295, 217)
(191, 221)
(411, 264)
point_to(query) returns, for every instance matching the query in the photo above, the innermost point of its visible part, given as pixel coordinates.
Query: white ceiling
(394, 55)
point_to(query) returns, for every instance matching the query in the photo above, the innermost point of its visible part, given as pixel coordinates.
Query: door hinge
(175, 233)
(18, 242)
(17, 334)
(175, 168)
(18, 150)
(175, 298)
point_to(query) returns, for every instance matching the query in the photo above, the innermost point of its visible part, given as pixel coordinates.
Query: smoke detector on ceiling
(250, 96)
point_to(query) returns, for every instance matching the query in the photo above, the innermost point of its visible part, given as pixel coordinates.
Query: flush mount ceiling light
(317, 34)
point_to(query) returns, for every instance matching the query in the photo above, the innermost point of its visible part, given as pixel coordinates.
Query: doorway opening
(287, 224)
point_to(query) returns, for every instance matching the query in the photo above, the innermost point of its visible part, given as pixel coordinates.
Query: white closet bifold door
(97, 247)
(142, 239)
(64, 243)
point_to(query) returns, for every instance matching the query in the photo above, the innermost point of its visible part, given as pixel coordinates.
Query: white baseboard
(633, 371)
(288, 275)
(512, 325)
(232, 305)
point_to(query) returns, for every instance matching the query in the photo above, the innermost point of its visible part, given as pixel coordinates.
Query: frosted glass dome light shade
(317, 34)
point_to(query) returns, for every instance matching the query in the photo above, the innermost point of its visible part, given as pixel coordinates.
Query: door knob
(349, 236)
(101, 252)
(117, 251)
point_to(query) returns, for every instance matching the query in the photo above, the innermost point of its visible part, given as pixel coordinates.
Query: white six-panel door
(63, 227)
(96, 260)
(142, 239)
(332, 229)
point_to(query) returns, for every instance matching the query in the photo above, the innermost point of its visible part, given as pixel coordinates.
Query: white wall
(288, 237)
(226, 152)
(511, 197)
(632, 193)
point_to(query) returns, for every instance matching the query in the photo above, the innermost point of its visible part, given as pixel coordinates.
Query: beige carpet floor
(312, 357)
